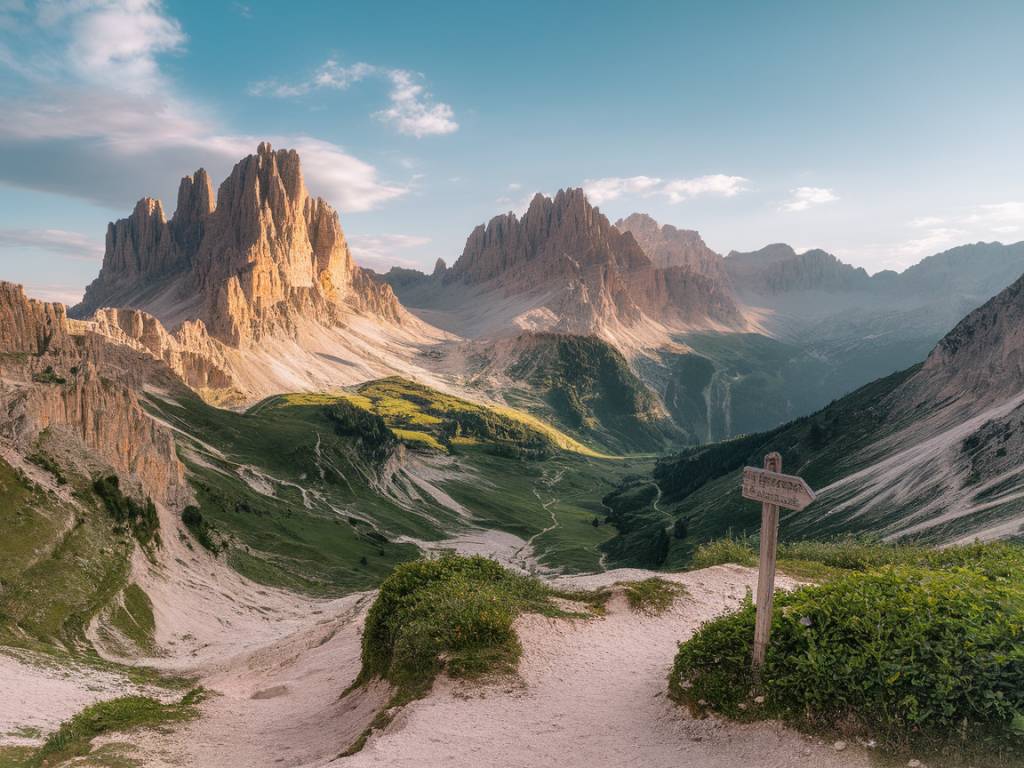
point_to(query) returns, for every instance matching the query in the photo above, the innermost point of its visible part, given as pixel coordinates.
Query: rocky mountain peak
(557, 237)
(257, 261)
(667, 246)
(195, 203)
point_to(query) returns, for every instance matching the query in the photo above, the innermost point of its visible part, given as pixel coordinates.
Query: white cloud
(381, 252)
(803, 198)
(600, 191)
(515, 186)
(73, 244)
(105, 125)
(979, 221)
(116, 44)
(330, 74)
(412, 112)
(932, 241)
(997, 214)
(716, 185)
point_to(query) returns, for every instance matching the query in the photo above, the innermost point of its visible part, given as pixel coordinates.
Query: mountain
(667, 246)
(252, 291)
(562, 267)
(930, 453)
(779, 269)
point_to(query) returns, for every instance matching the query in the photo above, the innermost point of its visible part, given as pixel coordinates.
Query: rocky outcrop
(980, 360)
(190, 353)
(264, 259)
(28, 326)
(667, 246)
(69, 378)
(195, 204)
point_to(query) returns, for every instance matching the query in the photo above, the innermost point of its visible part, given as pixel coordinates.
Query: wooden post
(766, 570)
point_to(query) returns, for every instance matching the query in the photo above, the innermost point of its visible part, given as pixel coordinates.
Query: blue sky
(882, 132)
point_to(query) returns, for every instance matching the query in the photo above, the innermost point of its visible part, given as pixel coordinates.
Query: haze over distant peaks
(563, 267)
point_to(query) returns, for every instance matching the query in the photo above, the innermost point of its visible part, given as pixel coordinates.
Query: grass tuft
(652, 597)
(74, 737)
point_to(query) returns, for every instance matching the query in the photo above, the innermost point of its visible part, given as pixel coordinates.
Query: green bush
(198, 526)
(140, 518)
(455, 612)
(906, 654)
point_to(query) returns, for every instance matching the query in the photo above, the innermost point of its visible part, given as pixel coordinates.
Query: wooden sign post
(773, 489)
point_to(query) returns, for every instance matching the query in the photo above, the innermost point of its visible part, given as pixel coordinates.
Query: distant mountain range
(630, 337)
(728, 345)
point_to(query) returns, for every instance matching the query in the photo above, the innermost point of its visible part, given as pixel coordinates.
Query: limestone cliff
(66, 377)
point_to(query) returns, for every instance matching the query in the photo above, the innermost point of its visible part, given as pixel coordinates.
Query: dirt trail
(593, 694)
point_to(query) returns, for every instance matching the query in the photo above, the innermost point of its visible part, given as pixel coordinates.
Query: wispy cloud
(73, 244)
(412, 112)
(931, 241)
(600, 191)
(99, 119)
(716, 185)
(998, 217)
(412, 109)
(803, 198)
(381, 252)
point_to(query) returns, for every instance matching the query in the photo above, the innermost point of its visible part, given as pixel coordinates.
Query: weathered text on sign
(787, 491)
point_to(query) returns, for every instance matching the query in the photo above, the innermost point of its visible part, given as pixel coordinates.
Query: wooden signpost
(773, 489)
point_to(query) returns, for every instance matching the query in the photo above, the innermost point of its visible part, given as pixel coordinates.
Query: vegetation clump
(45, 461)
(74, 737)
(48, 376)
(925, 652)
(200, 528)
(653, 596)
(454, 613)
(141, 519)
(451, 613)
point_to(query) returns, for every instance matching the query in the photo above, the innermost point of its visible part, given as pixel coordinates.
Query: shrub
(141, 519)
(455, 612)
(198, 526)
(905, 653)
(48, 376)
